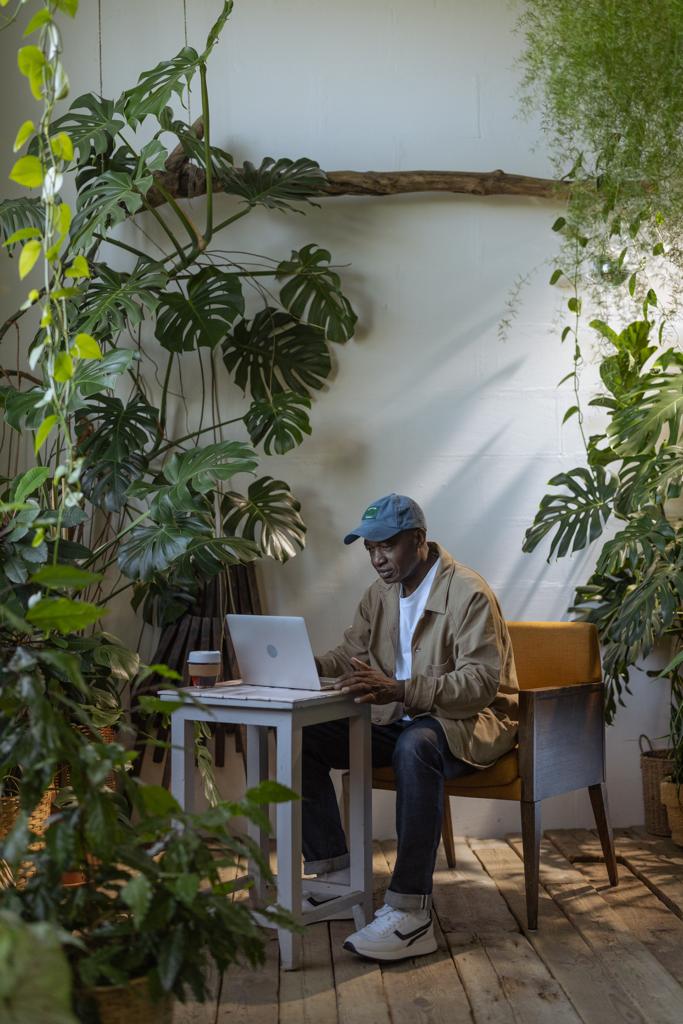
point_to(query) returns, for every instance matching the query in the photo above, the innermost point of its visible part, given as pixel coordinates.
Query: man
(430, 651)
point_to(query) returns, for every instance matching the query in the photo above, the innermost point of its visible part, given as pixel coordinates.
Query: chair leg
(447, 831)
(598, 795)
(531, 844)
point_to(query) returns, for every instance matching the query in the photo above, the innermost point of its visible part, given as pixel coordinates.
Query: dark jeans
(421, 759)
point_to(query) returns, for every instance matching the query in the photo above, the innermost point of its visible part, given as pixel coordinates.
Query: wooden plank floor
(600, 955)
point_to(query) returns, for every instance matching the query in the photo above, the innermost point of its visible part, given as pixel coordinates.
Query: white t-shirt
(410, 612)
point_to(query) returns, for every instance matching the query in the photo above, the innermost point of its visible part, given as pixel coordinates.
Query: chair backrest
(555, 653)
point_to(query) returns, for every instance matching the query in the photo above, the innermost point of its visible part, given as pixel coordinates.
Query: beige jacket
(463, 669)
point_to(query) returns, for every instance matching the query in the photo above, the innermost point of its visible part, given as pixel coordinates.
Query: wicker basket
(131, 1004)
(655, 765)
(9, 812)
(107, 735)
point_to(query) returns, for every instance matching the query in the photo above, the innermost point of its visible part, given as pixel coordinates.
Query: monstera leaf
(193, 145)
(116, 300)
(152, 548)
(279, 421)
(107, 200)
(276, 353)
(202, 469)
(578, 517)
(202, 317)
(314, 293)
(155, 88)
(644, 538)
(276, 184)
(92, 125)
(653, 415)
(16, 214)
(644, 480)
(112, 440)
(267, 514)
(92, 376)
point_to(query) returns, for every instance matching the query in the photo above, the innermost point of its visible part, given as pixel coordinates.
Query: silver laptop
(275, 651)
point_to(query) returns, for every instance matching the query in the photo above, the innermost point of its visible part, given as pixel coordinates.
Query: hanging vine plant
(608, 80)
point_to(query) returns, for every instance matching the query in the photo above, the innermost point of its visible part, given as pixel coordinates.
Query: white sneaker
(394, 935)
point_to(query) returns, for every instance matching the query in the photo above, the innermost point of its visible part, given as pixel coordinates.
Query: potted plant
(671, 786)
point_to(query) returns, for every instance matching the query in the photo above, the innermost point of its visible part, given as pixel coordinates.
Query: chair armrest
(558, 691)
(561, 739)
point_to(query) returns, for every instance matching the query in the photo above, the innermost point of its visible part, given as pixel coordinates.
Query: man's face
(396, 558)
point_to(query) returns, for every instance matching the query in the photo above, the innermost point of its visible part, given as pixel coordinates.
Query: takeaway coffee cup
(203, 667)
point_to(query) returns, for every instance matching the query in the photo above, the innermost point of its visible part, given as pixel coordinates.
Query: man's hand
(369, 686)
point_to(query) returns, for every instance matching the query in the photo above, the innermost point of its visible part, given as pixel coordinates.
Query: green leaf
(146, 550)
(79, 268)
(155, 88)
(63, 614)
(115, 301)
(17, 214)
(64, 367)
(28, 171)
(21, 235)
(555, 276)
(314, 293)
(203, 468)
(31, 61)
(29, 482)
(112, 439)
(92, 125)
(652, 416)
(24, 133)
(275, 353)
(574, 304)
(571, 411)
(59, 577)
(268, 515)
(280, 421)
(137, 894)
(43, 431)
(602, 328)
(171, 957)
(86, 347)
(203, 317)
(96, 375)
(62, 147)
(186, 888)
(157, 801)
(106, 200)
(276, 184)
(270, 792)
(28, 995)
(29, 257)
(578, 517)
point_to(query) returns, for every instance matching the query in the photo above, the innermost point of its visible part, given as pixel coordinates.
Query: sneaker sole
(422, 947)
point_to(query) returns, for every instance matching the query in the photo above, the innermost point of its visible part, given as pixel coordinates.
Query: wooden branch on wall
(184, 180)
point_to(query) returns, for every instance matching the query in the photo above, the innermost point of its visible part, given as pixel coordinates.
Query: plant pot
(672, 798)
(131, 1004)
(655, 765)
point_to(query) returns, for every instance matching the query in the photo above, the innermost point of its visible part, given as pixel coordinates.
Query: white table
(288, 712)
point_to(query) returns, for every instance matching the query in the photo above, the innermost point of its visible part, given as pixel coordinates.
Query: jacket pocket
(442, 669)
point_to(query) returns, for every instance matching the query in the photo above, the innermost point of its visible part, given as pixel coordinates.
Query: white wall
(427, 399)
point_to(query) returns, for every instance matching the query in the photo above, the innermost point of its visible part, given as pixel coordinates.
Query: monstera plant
(116, 486)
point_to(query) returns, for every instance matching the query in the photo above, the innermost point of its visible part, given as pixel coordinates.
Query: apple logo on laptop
(272, 650)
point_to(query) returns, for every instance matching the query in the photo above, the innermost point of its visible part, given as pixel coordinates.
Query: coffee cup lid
(204, 657)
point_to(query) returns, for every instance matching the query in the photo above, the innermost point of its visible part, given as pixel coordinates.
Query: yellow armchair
(561, 742)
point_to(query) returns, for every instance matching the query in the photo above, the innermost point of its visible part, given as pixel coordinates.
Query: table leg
(257, 771)
(182, 759)
(360, 814)
(289, 840)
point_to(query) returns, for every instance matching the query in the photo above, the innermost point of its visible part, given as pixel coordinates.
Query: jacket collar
(438, 595)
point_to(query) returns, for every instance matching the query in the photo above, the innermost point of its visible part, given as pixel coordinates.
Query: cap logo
(371, 512)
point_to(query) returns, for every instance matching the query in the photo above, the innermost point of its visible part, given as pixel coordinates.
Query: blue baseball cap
(388, 516)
